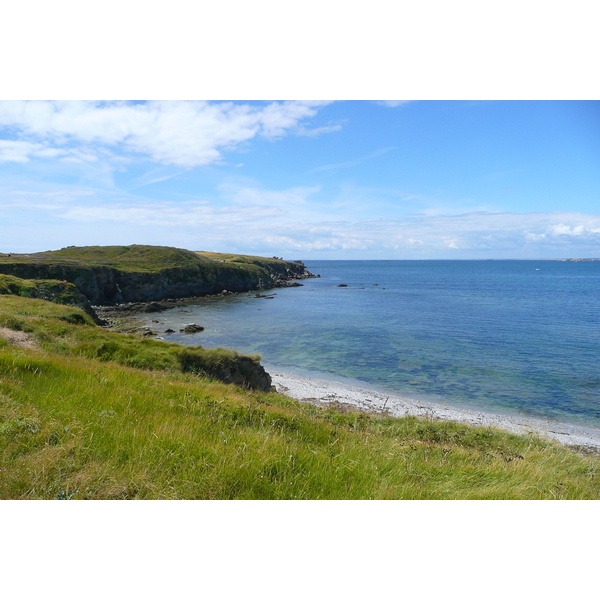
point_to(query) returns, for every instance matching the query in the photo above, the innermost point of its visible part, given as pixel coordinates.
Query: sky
(304, 179)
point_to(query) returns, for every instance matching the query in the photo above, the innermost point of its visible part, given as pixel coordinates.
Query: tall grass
(69, 330)
(72, 427)
(75, 426)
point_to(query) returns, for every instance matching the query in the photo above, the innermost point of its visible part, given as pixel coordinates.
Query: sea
(515, 337)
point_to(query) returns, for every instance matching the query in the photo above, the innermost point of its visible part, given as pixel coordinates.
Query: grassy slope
(137, 258)
(46, 289)
(68, 330)
(76, 425)
(244, 259)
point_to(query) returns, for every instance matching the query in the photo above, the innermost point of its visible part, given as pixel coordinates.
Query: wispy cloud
(255, 196)
(473, 235)
(314, 132)
(263, 222)
(392, 103)
(149, 179)
(354, 162)
(171, 215)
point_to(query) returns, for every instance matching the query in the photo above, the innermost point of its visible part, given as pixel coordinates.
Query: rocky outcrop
(192, 328)
(227, 366)
(107, 285)
(246, 373)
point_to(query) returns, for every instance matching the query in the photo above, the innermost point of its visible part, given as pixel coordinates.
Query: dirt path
(18, 338)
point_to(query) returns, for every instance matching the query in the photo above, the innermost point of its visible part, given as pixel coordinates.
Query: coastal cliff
(110, 275)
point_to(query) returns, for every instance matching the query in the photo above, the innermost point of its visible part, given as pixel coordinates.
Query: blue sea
(514, 337)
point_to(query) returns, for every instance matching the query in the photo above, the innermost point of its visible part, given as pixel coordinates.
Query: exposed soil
(18, 338)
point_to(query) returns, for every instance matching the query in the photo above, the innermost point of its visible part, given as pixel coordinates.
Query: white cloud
(20, 151)
(185, 134)
(567, 230)
(472, 235)
(249, 219)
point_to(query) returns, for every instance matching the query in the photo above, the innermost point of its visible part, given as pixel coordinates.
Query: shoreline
(324, 392)
(109, 314)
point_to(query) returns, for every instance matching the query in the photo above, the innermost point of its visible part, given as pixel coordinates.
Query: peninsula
(110, 275)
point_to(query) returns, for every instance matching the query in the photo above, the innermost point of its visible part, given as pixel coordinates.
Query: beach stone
(192, 328)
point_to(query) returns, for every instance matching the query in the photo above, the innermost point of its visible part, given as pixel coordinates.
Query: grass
(46, 289)
(69, 330)
(79, 423)
(138, 258)
(243, 259)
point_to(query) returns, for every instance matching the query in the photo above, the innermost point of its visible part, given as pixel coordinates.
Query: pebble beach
(319, 391)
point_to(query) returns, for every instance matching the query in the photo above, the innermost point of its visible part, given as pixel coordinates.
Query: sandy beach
(320, 391)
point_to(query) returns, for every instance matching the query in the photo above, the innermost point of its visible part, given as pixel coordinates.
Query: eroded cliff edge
(111, 275)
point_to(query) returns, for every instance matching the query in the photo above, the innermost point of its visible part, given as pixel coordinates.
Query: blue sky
(326, 180)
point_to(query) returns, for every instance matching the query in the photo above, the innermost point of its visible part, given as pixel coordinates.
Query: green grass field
(137, 258)
(88, 413)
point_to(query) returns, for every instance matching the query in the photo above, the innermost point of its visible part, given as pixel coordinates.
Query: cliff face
(105, 284)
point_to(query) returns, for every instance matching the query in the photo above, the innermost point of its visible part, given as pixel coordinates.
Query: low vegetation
(88, 413)
(242, 259)
(136, 258)
(46, 289)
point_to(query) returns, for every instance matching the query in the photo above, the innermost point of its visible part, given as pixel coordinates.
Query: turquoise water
(508, 336)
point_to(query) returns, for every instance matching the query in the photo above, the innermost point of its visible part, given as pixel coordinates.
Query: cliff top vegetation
(135, 258)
